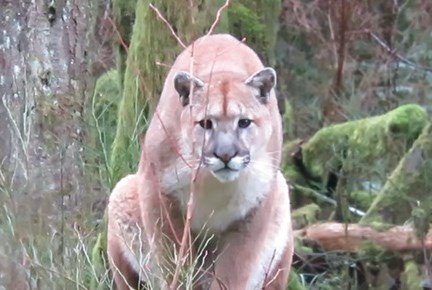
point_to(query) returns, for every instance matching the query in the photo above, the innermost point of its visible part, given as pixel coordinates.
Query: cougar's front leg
(124, 223)
(163, 232)
(278, 278)
(256, 253)
(164, 226)
(125, 276)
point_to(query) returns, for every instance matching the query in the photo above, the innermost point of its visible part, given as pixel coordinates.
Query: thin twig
(122, 41)
(397, 55)
(274, 277)
(14, 124)
(267, 271)
(167, 24)
(333, 39)
(163, 64)
(186, 234)
(218, 14)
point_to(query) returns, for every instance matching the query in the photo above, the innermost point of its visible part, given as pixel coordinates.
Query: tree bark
(47, 61)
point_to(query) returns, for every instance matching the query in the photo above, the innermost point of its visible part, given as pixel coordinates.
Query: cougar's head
(226, 121)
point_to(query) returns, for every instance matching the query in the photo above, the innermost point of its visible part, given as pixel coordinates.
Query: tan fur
(245, 207)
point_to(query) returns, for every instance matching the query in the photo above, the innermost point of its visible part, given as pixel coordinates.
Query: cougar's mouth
(226, 169)
(226, 174)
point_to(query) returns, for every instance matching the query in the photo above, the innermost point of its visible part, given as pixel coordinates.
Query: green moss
(103, 123)
(292, 174)
(288, 166)
(99, 258)
(305, 215)
(408, 187)
(53, 112)
(300, 247)
(106, 96)
(101, 133)
(288, 120)
(411, 277)
(362, 199)
(364, 141)
(379, 259)
(257, 21)
(124, 17)
(361, 150)
(46, 109)
(371, 250)
(247, 22)
(294, 282)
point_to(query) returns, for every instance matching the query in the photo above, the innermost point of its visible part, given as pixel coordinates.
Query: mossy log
(407, 192)
(364, 141)
(361, 151)
(351, 237)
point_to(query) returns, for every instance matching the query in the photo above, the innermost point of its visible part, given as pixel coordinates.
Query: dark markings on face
(224, 88)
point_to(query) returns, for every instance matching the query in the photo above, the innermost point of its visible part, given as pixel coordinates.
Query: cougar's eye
(206, 124)
(244, 123)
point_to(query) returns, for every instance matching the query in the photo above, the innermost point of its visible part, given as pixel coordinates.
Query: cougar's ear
(183, 83)
(264, 81)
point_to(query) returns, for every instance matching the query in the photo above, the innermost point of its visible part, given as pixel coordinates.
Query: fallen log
(350, 237)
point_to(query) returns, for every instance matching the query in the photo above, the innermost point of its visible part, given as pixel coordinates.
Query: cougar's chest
(217, 206)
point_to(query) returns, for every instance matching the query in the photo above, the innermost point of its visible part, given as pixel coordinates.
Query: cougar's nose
(225, 156)
(225, 148)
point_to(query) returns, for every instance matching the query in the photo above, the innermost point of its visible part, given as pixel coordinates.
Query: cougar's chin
(226, 174)
(226, 171)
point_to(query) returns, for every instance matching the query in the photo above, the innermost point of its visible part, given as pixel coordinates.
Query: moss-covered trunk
(339, 159)
(406, 194)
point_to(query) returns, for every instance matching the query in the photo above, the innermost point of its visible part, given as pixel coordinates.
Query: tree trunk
(47, 61)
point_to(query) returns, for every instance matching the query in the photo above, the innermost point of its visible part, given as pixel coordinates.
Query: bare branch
(397, 55)
(119, 36)
(167, 24)
(218, 14)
